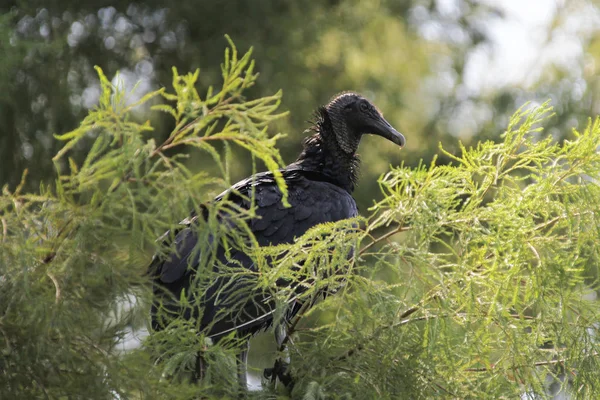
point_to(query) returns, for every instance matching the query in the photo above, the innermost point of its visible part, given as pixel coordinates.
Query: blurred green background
(439, 70)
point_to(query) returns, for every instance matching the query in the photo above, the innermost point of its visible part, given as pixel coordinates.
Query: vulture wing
(313, 201)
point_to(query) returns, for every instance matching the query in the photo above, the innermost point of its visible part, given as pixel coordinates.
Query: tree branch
(536, 364)
(383, 237)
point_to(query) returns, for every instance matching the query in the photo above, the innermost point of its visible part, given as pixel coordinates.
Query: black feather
(319, 186)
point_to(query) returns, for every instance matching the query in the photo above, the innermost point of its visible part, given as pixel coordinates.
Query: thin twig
(39, 383)
(405, 321)
(407, 312)
(404, 315)
(536, 364)
(428, 317)
(167, 143)
(57, 295)
(6, 338)
(369, 381)
(200, 139)
(383, 237)
(535, 252)
(4, 229)
(439, 386)
(292, 327)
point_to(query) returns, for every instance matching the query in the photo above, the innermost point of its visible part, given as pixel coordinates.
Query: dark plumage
(320, 183)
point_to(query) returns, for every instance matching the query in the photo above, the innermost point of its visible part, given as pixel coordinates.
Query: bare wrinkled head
(352, 116)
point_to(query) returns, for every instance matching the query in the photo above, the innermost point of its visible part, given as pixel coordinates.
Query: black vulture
(320, 185)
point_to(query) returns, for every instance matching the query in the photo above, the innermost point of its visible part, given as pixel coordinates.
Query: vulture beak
(383, 128)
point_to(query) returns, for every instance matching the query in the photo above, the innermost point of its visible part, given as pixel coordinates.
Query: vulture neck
(323, 155)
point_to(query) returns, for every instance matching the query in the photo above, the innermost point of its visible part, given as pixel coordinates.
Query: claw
(280, 371)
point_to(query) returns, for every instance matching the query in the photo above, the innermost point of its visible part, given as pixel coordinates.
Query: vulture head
(352, 115)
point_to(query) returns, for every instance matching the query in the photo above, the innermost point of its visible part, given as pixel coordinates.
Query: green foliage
(74, 256)
(415, 59)
(470, 280)
(487, 286)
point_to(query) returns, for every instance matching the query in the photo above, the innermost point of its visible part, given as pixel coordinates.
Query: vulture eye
(363, 106)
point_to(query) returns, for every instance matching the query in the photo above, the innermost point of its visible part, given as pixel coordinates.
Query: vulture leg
(280, 337)
(242, 365)
(280, 369)
(200, 368)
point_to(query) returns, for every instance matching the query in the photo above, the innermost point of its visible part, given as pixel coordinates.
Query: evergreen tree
(476, 279)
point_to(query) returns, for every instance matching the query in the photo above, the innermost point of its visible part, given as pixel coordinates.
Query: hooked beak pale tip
(399, 139)
(393, 135)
